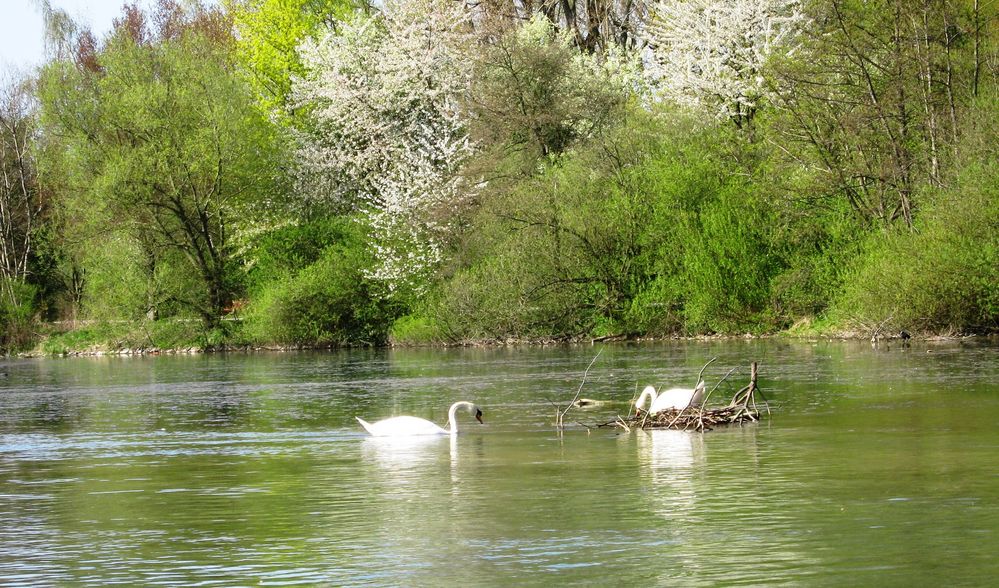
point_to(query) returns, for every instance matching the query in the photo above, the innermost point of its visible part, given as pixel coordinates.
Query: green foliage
(163, 142)
(282, 252)
(863, 195)
(328, 301)
(270, 32)
(817, 247)
(415, 330)
(533, 95)
(643, 231)
(115, 336)
(870, 101)
(116, 281)
(76, 340)
(18, 305)
(942, 277)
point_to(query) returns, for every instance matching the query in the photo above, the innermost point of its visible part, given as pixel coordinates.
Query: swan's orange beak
(478, 416)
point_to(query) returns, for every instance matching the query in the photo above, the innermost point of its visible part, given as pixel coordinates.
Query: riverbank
(96, 341)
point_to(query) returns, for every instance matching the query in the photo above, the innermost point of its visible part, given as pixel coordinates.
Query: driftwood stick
(752, 385)
(561, 413)
(735, 399)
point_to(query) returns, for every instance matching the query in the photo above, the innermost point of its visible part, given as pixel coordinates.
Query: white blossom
(389, 137)
(711, 53)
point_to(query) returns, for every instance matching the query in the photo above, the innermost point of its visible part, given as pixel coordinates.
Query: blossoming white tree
(710, 53)
(389, 137)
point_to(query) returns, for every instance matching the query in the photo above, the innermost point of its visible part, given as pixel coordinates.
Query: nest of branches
(741, 409)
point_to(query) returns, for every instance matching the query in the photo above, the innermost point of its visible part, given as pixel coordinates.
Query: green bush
(17, 317)
(78, 340)
(817, 252)
(328, 302)
(942, 276)
(415, 330)
(288, 249)
(646, 230)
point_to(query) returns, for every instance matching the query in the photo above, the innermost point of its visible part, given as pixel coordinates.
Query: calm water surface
(877, 467)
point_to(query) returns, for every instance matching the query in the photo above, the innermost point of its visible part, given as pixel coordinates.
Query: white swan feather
(673, 398)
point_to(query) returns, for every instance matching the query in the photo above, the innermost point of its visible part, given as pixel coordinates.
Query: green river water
(877, 467)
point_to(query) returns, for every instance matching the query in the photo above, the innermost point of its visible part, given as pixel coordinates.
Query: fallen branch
(560, 414)
(701, 373)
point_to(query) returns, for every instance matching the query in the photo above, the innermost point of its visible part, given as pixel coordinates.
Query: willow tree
(167, 141)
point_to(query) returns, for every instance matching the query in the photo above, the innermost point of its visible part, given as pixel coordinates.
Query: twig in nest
(715, 387)
(701, 373)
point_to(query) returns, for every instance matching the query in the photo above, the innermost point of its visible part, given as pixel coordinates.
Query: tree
(536, 94)
(270, 33)
(711, 53)
(873, 101)
(593, 26)
(165, 139)
(21, 202)
(388, 136)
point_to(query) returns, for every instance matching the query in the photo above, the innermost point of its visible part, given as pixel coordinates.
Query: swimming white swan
(678, 398)
(404, 426)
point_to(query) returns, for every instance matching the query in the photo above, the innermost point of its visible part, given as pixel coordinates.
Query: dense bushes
(941, 277)
(311, 288)
(17, 315)
(645, 230)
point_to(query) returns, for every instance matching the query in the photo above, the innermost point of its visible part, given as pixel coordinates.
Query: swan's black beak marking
(478, 415)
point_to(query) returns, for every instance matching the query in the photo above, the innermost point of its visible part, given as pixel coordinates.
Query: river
(877, 466)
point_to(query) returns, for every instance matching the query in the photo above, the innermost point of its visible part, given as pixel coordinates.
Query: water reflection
(404, 459)
(670, 460)
(249, 470)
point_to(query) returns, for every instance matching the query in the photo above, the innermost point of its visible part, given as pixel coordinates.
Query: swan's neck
(649, 393)
(452, 422)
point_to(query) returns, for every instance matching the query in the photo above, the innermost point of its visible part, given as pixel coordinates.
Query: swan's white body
(405, 426)
(675, 398)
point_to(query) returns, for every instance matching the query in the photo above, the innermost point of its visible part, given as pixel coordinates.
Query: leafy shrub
(645, 230)
(415, 330)
(286, 250)
(943, 276)
(17, 319)
(328, 302)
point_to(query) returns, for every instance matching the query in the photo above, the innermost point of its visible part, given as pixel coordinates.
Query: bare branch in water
(560, 414)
